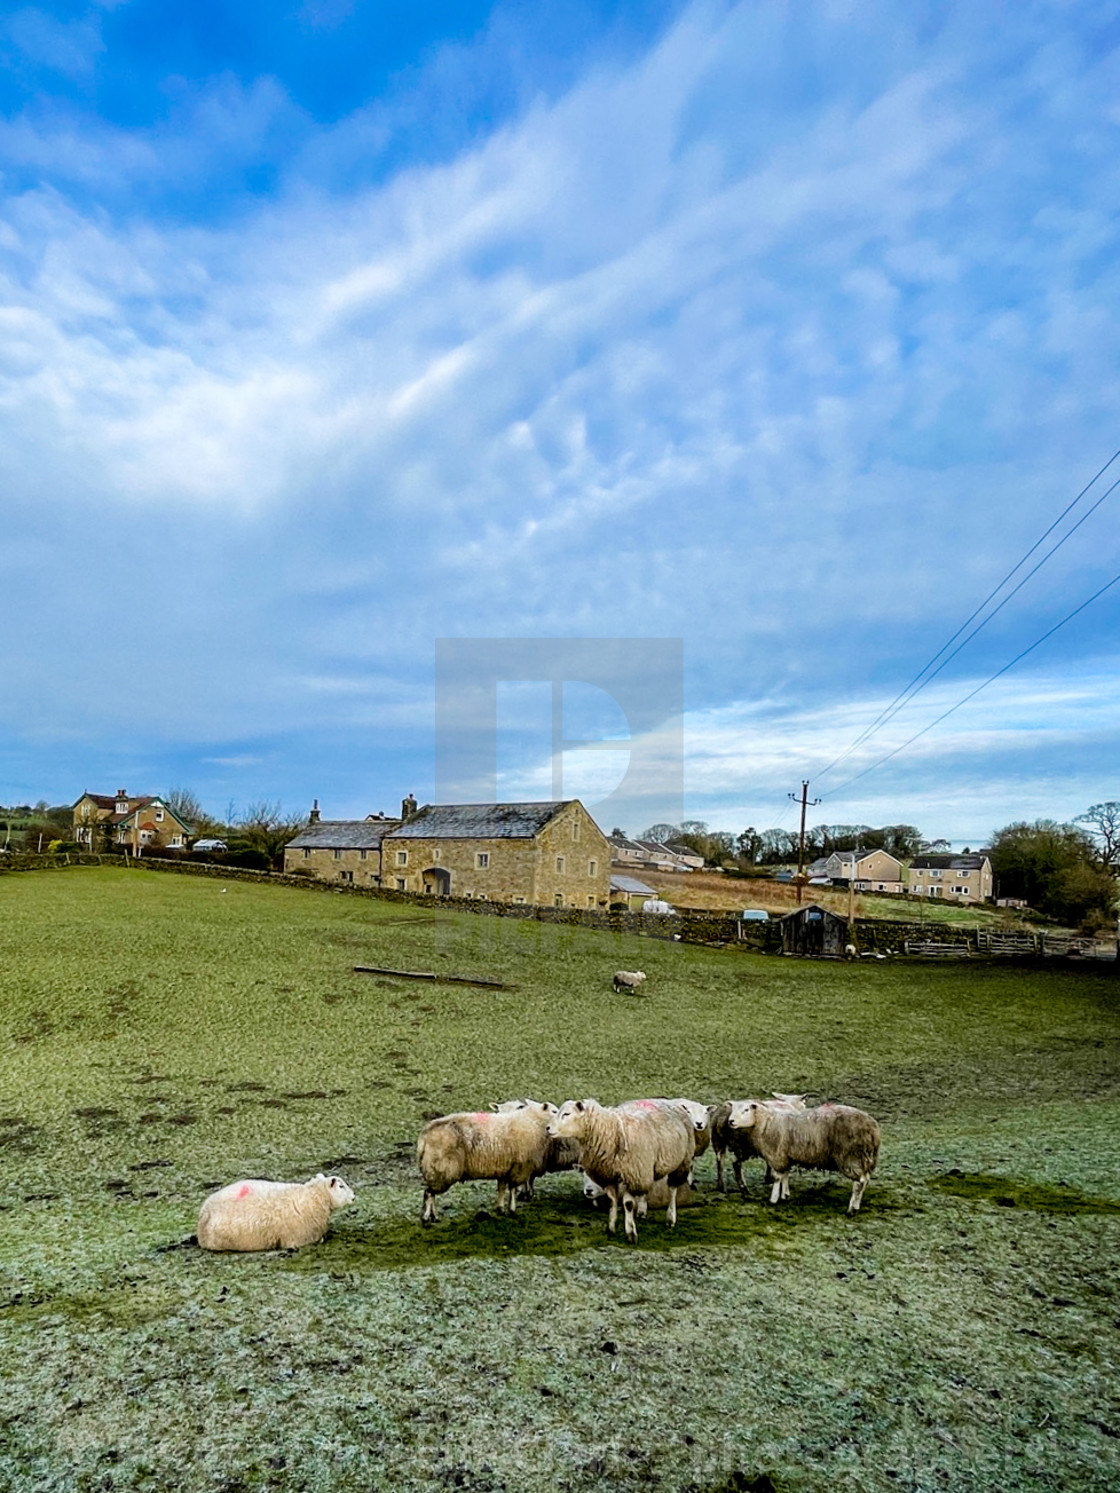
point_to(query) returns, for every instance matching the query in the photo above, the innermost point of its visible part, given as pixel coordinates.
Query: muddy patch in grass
(550, 1229)
(1007, 1192)
(18, 1135)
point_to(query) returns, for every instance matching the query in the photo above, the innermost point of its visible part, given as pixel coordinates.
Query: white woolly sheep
(510, 1147)
(629, 979)
(740, 1142)
(256, 1214)
(657, 1197)
(626, 1150)
(831, 1138)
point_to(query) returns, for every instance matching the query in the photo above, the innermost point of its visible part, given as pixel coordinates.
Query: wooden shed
(814, 930)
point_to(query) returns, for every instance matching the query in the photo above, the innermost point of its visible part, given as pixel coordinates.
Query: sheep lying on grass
(741, 1142)
(626, 1150)
(509, 1145)
(256, 1214)
(832, 1138)
(630, 980)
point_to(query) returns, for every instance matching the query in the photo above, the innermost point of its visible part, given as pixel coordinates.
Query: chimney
(313, 817)
(408, 807)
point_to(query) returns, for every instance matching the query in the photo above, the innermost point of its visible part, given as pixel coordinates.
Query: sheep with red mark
(830, 1138)
(628, 1149)
(258, 1214)
(509, 1146)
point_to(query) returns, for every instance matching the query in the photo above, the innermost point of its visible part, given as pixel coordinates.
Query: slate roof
(479, 821)
(631, 886)
(342, 834)
(948, 862)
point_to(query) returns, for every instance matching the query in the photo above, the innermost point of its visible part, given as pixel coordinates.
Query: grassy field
(164, 1035)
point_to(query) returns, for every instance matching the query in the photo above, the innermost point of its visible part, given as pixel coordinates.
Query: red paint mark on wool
(244, 1190)
(480, 1114)
(645, 1104)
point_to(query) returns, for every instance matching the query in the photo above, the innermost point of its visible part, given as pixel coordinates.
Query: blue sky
(331, 329)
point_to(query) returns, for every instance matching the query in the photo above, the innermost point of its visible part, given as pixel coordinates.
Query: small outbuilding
(630, 892)
(814, 930)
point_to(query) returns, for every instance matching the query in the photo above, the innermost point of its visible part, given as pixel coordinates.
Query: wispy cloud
(781, 341)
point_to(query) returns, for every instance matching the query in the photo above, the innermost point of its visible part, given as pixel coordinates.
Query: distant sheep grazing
(741, 1142)
(630, 980)
(256, 1214)
(831, 1138)
(506, 1145)
(626, 1150)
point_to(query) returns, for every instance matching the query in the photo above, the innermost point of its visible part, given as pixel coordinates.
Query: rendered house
(550, 854)
(649, 855)
(346, 850)
(139, 822)
(956, 878)
(870, 870)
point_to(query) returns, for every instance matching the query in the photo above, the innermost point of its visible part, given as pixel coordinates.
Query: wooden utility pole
(804, 802)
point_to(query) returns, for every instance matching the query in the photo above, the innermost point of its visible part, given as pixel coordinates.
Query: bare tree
(1103, 821)
(268, 828)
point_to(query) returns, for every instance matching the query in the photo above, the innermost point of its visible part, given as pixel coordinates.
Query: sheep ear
(579, 1105)
(494, 1108)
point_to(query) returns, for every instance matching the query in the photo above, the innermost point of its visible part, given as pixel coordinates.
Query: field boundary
(909, 938)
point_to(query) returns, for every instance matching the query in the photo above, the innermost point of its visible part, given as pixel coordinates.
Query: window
(400, 883)
(338, 855)
(575, 830)
(362, 854)
(592, 868)
(591, 901)
(306, 853)
(159, 816)
(560, 865)
(436, 855)
(402, 857)
(558, 900)
(935, 873)
(346, 876)
(482, 860)
(520, 901)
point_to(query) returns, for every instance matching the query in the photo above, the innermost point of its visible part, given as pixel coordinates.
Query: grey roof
(948, 862)
(342, 834)
(631, 886)
(479, 821)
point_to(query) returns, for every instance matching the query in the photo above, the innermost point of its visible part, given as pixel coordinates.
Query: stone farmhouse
(141, 823)
(956, 878)
(549, 854)
(346, 850)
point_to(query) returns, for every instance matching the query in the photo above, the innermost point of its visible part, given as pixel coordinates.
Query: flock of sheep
(636, 1156)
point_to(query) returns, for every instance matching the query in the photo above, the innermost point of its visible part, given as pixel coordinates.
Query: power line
(973, 693)
(919, 682)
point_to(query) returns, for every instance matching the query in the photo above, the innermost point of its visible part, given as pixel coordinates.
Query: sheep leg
(429, 1214)
(507, 1196)
(737, 1168)
(858, 1187)
(671, 1210)
(720, 1187)
(776, 1193)
(612, 1218)
(630, 1210)
(785, 1187)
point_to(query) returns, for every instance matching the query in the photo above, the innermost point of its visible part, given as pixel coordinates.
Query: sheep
(657, 1197)
(508, 1146)
(626, 1150)
(629, 979)
(740, 1142)
(832, 1138)
(560, 1156)
(256, 1214)
(850, 951)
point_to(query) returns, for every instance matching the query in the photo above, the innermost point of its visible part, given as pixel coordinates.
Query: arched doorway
(437, 881)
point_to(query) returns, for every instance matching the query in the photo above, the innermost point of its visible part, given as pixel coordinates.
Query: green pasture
(163, 1035)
